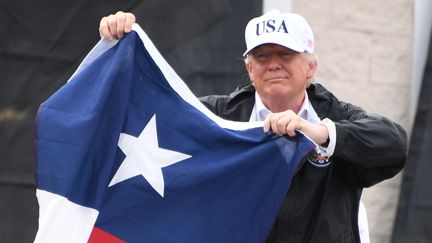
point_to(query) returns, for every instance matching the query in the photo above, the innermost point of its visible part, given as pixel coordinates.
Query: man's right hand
(116, 25)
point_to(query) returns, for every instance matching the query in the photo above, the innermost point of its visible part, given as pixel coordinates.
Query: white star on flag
(145, 157)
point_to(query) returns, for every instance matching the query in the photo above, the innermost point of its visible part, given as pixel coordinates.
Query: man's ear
(313, 64)
(249, 70)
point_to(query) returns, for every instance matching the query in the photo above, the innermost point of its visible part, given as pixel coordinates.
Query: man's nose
(274, 62)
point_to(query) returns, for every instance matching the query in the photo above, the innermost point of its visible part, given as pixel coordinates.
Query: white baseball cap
(286, 29)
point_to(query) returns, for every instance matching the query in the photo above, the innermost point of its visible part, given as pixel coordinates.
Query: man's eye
(286, 54)
(261, 56)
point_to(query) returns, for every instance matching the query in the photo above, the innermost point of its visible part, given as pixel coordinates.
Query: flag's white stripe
(63, 221)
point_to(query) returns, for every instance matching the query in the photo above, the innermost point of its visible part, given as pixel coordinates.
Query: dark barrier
(42, 43)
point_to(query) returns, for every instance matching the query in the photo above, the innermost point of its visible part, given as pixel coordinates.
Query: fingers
(291, 128)
(116, 25)
(279, 124)
(267, 125)
(103, 29)
(287, 123)
(283, 123)
(130, 20)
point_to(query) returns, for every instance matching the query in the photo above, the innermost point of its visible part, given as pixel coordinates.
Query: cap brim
(290, 46)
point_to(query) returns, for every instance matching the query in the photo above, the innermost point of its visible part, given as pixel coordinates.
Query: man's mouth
(275, 79)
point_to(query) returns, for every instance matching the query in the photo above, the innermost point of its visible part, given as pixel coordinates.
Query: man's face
(279, 74)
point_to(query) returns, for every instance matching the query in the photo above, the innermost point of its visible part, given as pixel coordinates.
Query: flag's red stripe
(101, 236)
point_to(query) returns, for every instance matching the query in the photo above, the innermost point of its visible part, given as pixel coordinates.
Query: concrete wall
(365, 57)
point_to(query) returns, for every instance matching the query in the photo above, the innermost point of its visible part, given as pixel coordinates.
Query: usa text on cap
(286, 29)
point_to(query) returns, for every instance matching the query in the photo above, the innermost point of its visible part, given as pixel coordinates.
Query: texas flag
(126, 153)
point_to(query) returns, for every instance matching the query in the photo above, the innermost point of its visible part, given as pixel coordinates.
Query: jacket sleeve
(374, 146)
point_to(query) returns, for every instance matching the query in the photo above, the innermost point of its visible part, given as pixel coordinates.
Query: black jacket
(322, 202)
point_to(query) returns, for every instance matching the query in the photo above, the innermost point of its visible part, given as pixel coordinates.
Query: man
(354, 149)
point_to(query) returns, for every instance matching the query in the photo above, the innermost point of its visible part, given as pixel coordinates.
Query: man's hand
(288, 123)
(116, 25)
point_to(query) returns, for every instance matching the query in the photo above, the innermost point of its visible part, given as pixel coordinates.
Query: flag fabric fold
(126, 153)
